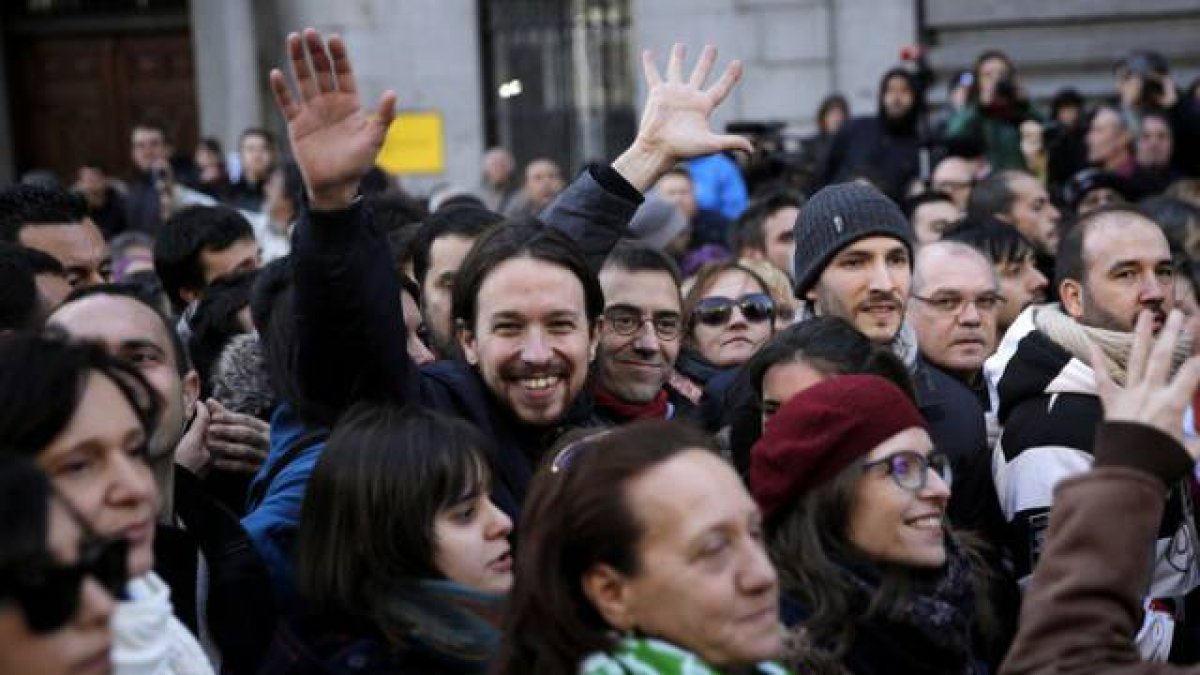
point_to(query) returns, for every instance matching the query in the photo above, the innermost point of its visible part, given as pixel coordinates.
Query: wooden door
(75, 98)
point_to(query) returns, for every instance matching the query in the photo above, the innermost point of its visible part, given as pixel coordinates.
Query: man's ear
(1070, 293)
(609, 592)
(466, 340)
(191, 389)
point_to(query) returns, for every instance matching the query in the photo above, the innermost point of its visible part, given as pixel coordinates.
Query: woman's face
(79, 647)
(704, 581)
(733, 342)
(896, 525)
(99, 463)
(471, 543)
(991, 71)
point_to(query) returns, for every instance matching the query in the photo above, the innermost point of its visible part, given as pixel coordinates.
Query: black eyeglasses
(717, 310)
(910, 469)
(626, 320)
(48, 592)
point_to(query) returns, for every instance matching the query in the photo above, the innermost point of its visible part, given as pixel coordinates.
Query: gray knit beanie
(838, 216)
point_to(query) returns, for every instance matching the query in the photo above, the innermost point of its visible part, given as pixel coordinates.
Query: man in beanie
(854, 253)
(1113, 271)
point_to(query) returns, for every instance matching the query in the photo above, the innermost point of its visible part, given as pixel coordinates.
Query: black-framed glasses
(910, 469)
(627, 320)
(955, 303)
(718, 310)
(48, 592)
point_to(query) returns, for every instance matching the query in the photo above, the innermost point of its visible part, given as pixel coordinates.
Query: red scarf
(628, 412)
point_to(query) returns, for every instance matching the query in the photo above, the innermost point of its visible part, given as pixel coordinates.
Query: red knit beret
(822, 430)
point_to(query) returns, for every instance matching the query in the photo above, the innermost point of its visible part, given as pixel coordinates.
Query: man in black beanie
(854, 253)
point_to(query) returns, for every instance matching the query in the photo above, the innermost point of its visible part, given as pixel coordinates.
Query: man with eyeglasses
(640, 337)
(956, 298)
(854, 251)
(1114, 273)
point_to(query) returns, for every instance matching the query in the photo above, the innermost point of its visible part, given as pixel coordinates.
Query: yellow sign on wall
(415, 144)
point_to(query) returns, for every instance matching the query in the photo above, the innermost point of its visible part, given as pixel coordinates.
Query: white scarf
(148, 639)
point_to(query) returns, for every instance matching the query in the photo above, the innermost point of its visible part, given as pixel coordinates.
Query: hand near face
(238, 443)
(333, 140)
(675, 122)
(1150, 395)
(192, 452)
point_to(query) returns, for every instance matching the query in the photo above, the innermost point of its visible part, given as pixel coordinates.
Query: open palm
(677, 112)
(334, 142)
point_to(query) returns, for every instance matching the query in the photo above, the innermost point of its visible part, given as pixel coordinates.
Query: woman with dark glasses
(641, 552)
(57, 581)
(854, 500)
(84, 418)
(729, 314)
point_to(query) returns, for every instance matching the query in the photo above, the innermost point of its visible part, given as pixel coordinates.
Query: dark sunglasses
(717, 310)
(48, 592)
(910, 469)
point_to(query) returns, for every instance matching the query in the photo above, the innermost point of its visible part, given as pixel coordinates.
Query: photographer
(1143, 83)
(997, 106)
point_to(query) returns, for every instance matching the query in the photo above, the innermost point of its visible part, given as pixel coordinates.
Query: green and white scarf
(647, 656)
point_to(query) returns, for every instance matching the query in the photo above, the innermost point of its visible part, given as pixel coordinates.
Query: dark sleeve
(594, 211)
(832, 161)
(1083, 607)
(349, 324)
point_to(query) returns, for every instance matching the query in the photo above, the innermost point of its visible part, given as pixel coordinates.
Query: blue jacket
(718, 184)
(273, 511)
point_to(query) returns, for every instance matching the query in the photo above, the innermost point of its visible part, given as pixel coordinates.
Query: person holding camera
(1144, 85)
(996, 107)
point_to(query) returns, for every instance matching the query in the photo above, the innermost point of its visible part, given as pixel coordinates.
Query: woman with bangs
(402, 558)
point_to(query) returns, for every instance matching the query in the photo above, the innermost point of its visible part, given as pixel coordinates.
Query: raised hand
(676, 120)
(1150, 395)
(334, 142)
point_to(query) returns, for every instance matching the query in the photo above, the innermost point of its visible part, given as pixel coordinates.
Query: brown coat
(1083, 605)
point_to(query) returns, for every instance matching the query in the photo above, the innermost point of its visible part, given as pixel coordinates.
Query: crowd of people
(929, 409)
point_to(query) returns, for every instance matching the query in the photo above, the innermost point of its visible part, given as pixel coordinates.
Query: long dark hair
(811, 549)
(369, 510)
(576, 516)
(527, 238)
(24, 514)
(42, 380)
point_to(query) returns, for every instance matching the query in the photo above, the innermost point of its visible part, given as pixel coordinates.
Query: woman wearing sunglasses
(84, 418)
(402, 558)
(641, 552)
(729, 314)
(854, 500)
(57, 581)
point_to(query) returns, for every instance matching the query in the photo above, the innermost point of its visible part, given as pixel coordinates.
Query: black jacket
(239, 607)
(351, 344)
(957, 428)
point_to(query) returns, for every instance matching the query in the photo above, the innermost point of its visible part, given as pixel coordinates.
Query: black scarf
(927, 631)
